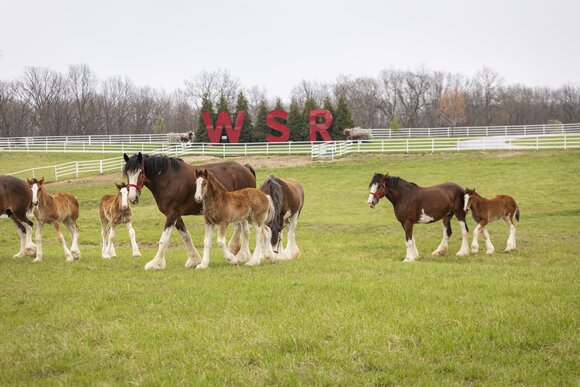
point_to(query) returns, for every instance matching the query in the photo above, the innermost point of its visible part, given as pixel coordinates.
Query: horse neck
(477, 201)
(401, 190)
(214, 191)
(44, 199)
(118, 201)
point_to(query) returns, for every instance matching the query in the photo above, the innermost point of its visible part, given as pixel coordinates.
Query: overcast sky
(276, 44)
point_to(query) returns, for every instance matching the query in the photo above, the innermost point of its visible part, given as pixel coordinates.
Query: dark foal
(413, 204)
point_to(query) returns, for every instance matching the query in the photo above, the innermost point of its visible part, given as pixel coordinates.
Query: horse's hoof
(201, 267)
(409, 260)
(37, 259)
(490, 252)
(475, 251)
(136, 254)
(106, 256)
(151, 265)
(462, 253)
(252, 263)
(19, 255)
(76, 254)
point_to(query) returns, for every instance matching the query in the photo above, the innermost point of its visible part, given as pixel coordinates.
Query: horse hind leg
(111, 241)
(443, 247)
(488, 244)
(221, 241)
(511, 242)
(69, 257)
(104, 232)
(464, 237)
(73, 229)
(21, 233)
(236, 241)
(292, 251)
(257, 255)
(244, 254)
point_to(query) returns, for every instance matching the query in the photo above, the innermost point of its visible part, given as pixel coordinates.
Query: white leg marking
(488, 244)
(412, 252)
(221, 241)
(475, 242)
(38, 242)
(158, 262)
(444, 245)
(511, 243)
(134, 245)
(206, 246)
(193, 257)
(464, 242)
(257, 255)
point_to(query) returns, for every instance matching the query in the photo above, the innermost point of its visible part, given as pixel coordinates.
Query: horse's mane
(153, 164)
(392, 181)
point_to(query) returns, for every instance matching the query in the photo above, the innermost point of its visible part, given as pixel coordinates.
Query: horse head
(201, 176)
(135, 171)
(376, 189)
(35, 186)
(468, 198)
(124, 192)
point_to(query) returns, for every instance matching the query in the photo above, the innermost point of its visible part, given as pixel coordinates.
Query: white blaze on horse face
(372, 201)
(199, 189)
(124, 196)
(34, 189)
(424, 218)
(466, 202)
(133, 193)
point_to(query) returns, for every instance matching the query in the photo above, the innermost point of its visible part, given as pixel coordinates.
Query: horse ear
(205, 173)
(118, 186)
(140, 157)
(126, 157)
(30, 182)
(41, 181)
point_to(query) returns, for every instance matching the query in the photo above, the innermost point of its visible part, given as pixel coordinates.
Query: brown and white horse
(60, 208)
(221, 207)
(172, 183)
(413, 204)
(15, 202)
(288, 198)
(115, 210)
(485, 211)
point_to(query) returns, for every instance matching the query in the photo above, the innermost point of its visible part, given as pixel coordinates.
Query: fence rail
(315, 150)
(150, 142)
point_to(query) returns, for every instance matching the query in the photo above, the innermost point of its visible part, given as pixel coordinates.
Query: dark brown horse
(115, 210)
(288, 198)
(15, 202)
(60, 208)
(172, 183)
(222, 207)
(414, 204)
(485, 211)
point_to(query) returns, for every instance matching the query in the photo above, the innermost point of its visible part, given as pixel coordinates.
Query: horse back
(67, 204)
(293, 195)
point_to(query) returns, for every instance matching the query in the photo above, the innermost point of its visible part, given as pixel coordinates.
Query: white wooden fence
(315, 150)
(151, 142)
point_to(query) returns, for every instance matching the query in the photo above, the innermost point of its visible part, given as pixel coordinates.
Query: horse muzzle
(198, 199)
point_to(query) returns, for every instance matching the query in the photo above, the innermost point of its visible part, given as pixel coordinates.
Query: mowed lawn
(348, 311)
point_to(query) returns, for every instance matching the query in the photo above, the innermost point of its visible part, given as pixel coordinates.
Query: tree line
(44, 102)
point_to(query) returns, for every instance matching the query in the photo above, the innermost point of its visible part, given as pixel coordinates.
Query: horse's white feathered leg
(444, 245)
(475, 242)
(158, 262)
(207, 240)
(464, 242)
(134, 245)
(488, 244)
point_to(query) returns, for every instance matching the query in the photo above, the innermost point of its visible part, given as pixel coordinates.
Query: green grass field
(347, 312)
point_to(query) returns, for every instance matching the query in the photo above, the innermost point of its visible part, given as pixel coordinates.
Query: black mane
(154, 165)
(392, 181)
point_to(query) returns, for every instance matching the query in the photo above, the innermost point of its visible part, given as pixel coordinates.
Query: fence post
(55, 174)
(537, 142)
(432, 145)
(101, 167)
(565, 143)
(407, 143)
(77, 168)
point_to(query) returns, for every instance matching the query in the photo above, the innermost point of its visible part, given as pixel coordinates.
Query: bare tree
(452, 108)
(214, 84)
(83, 87)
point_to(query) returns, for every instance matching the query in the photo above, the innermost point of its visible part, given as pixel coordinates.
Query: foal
(485, 211)
(115, 210)
(413, 204)
(222, 207)
(288, 198)
(60, 208)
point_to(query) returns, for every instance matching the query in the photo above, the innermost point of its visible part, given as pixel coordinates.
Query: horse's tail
(517, 213)
(251, 169)
(274, 189)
